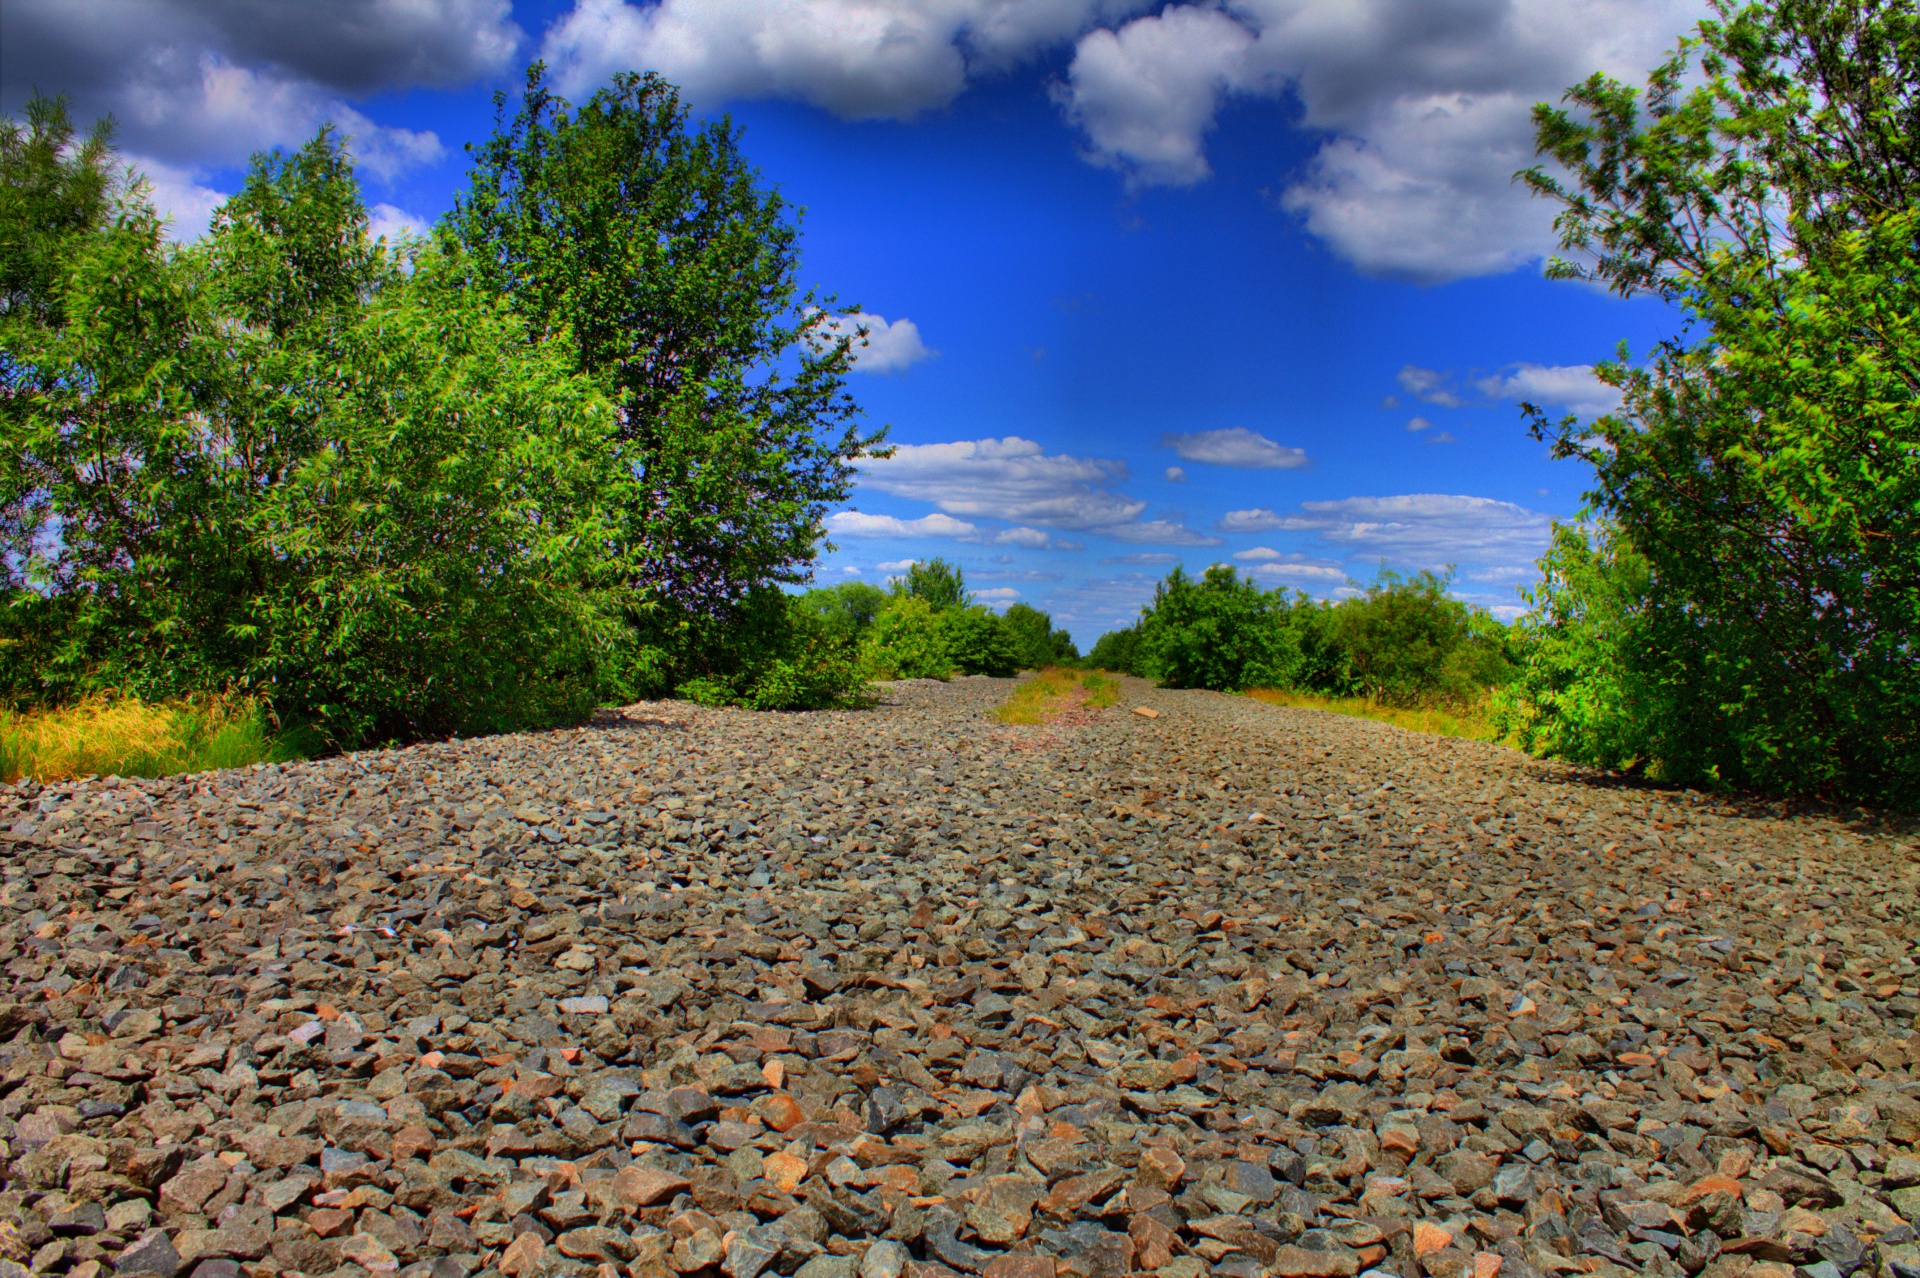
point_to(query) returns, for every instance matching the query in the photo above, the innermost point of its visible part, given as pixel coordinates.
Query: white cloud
(1419, 423)
(1573, 387)
(1259, 519)
(1426, 529)
(1146, 94)
(1159, 532)
(895, 565)
(1175, 475)
(1266, 562)
(1444, 437)
(1423, 106)
(996, 595)
(860, 59)
(1033, 539)
(180, 197)
(1144, 558)
(1237, 447)
(198, 84)
(885, 348)
(854, 523)
(1018, 481)
(1429, 385)
(386, 221)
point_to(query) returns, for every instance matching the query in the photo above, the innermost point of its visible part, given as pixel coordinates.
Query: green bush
(1402, 642)
(285, 462)
(1037, 644)
(978, 642)
(906, 641)
(1744, 608)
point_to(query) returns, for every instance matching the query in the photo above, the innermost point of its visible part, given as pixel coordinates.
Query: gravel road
(1234, 989)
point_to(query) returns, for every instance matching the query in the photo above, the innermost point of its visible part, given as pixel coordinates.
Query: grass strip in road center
(1055, 690)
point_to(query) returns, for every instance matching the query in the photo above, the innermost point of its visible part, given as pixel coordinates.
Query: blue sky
(1238, 282)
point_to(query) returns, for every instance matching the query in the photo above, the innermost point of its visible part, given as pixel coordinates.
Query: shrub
(1037, 644)
(1745, 607)
(906, 641)
(978, 642)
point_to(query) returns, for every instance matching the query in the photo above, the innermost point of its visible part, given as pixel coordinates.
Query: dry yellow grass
(1441, 720)
(128, 737)
(1055, 690)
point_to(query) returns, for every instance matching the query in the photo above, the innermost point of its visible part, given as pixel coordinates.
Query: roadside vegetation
(1739, 604)
(126, 737)
(1473, 722)
(577, 446)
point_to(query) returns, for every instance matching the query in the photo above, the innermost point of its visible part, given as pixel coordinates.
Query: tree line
(577, 445)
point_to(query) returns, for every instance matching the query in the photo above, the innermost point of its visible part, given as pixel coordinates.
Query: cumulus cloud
(854, 523)
(197, 83)
(386, 221)
(996, 595)
(1144, 558)
(895, 565)
(180, 196)
(1273, 565)
(1429, 385)
(1258, 519)
(1423, 107)
(1426, 529)
(1176, 475)
(1237, 447)
(1147, 93)
(1018, 481)
(860, 59)
(1419, 423)
(882, 347)
(1034, 539)
(1573, 387)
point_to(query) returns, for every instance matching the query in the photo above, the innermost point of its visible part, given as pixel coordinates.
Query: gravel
(1228, 989)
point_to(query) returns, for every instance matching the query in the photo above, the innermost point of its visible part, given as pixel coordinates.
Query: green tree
(1036, 641)
(1218, 632)
(906, 641)
(1407, 644)
(938, 582)
(978, 642)
(1760, 486)
(656, 252)
(286, 460)
(1119, 650)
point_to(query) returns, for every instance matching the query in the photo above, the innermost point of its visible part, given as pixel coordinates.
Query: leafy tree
(1217, 632)
(1036, 641)
(938, 582)
(655, 251)
(284, 460)
(1120, 650)
(1760, 487)
(1407, 643)
(845, 610)
(906, 641)
(978, 642)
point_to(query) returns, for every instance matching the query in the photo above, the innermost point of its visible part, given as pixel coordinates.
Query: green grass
(1055, 690)
(1447, 721)
(127, 737)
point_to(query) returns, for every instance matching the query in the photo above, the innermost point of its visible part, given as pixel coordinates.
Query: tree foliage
(286, 461)
(655, 251)
(1744, 608)
(1401, 642)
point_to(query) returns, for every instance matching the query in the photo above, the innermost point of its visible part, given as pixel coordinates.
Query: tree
(1760, 486)
(1036, 641)
(938, 582)
(657, 254)
(286, 461)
